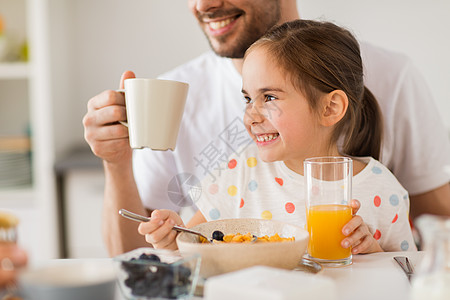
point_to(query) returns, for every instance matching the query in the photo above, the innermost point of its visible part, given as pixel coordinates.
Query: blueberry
(184, 273)
(217, 235)
(159, 280)
(133, 268)
(140, 288)
(149, 257)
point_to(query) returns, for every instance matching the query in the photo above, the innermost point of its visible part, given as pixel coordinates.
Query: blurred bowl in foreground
(226, 257)
(69, 280)
(148, 273)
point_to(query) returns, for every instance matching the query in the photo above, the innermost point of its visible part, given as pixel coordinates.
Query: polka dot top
(247, 187)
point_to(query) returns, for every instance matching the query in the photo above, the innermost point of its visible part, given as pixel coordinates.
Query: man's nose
(207, 5)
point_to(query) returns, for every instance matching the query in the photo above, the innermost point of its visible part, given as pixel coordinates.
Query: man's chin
(229, 52)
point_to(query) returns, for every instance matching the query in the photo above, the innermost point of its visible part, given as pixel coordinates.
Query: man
(416, 146)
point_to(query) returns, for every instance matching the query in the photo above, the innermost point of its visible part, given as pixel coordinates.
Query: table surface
(374, 276)
(371, 276)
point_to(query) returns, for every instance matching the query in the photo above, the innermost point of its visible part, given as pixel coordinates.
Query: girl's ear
(335, 106)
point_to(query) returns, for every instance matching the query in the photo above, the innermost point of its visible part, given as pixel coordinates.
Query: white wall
(418, 28)
(105, 37)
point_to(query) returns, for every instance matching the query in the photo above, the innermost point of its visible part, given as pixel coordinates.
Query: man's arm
(435, 202)
(108, 140)
(120, 234)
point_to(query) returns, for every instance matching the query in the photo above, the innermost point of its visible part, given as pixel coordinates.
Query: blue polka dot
(404, 245)
(394, 200)
(376, 170)
(214, 214)
(252, 185)
(405, 197)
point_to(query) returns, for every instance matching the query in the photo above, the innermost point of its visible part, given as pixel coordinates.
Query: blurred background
(57, 54)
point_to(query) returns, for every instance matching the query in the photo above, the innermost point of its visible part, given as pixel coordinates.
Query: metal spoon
(135, 217)
(407, 267)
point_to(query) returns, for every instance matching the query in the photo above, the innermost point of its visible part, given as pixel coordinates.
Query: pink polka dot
(213, 189)
(232, 164)
(377, 201)
(279, 180)
(290, 207)
(377, 235)
(395, 218)
(242, 203)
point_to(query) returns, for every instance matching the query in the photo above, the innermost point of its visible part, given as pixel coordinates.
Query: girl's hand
(358, 234)
(159, 230)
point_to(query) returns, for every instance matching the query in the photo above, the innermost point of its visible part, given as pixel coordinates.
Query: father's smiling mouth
(215, 25)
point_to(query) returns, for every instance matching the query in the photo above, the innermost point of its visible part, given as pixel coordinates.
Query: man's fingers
(104, 99)
(126, 75)
(109, 115)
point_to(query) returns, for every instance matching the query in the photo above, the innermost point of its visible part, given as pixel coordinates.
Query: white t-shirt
(251, 188)
(415, 147)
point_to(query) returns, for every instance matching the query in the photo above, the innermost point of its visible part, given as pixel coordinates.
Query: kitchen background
(56, 54)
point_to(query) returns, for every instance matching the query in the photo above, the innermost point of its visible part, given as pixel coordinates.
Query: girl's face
(278, 116)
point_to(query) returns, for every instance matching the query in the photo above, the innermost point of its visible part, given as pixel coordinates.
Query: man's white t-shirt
(416, 147)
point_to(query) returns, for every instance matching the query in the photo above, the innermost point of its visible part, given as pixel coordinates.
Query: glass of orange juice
(328, 186)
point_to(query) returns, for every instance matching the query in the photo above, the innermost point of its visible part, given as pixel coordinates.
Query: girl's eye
(247, 100)
(268, 98)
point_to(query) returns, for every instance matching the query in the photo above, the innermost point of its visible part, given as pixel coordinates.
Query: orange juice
(325, 223)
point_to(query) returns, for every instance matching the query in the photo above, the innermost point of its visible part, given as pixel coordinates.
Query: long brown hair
(320, 57)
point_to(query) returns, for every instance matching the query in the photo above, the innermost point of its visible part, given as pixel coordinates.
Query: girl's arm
(198, 218)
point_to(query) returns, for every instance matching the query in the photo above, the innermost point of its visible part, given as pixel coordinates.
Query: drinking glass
(328, 186)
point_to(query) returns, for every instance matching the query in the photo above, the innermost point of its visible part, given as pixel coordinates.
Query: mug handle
(122, 122)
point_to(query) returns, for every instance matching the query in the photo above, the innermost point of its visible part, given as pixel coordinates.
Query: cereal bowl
(219, 258)
(147, 273)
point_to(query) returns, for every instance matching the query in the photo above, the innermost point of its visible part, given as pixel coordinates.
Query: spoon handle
(138, 218)
(407, 267)
(132, 216)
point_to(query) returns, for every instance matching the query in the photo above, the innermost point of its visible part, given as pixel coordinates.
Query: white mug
(154, 112)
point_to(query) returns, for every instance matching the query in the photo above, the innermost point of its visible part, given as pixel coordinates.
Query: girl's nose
(254, 114)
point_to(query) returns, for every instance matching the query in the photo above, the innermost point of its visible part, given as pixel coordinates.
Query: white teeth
(220, 24)
(267, 137)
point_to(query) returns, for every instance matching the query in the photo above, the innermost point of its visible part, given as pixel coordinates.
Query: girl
(305, 97)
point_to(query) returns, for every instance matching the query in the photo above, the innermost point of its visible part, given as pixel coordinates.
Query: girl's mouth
(265, 138)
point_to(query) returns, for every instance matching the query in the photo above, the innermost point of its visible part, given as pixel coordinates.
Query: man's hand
(108, 138)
